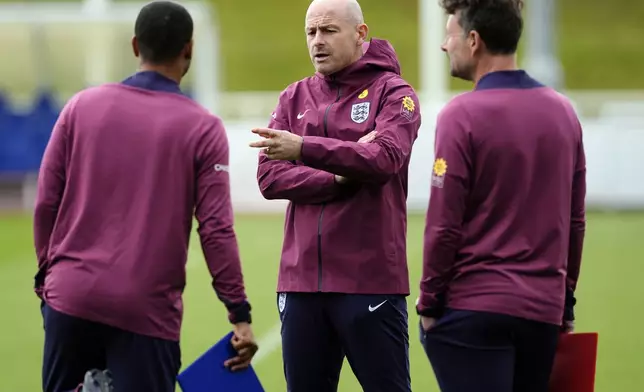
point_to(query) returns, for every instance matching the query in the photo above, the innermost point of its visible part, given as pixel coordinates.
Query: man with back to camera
(126, 167)
(338, 148)
(506, 218)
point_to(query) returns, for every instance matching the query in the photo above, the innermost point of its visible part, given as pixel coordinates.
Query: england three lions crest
(360, 112)
(281, 302)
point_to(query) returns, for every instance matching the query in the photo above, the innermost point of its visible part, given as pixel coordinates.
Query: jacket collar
(151, 80)
(518, 79)
(378, 56)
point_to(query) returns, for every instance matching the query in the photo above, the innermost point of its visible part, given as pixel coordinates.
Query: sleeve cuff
(434, 308)
(239, 313)
(569, 306)
(39, 281)
(311, 153)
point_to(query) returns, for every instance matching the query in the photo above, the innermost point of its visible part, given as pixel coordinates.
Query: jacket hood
(379, 56)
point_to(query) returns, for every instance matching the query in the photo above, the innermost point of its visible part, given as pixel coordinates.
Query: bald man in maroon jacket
(338, 148)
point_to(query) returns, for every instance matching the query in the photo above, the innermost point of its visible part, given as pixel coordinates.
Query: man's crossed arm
(283, 179)
(387, 148)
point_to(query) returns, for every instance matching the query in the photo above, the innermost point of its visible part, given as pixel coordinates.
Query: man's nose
(318, 40)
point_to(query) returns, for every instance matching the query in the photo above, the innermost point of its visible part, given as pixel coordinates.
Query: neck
(495, 64)
(169, 71)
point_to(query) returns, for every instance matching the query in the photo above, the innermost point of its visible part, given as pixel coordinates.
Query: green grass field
(609, 293)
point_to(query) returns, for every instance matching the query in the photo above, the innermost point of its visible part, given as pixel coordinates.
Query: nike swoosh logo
(301, 115)
(373, 308)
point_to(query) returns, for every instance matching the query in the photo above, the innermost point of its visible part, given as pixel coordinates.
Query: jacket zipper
(326, 134)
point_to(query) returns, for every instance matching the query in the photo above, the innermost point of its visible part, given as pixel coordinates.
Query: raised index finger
(265, 132)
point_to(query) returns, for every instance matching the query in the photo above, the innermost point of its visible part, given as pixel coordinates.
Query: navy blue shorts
(489, 352)
(137, 363)
(319, 330)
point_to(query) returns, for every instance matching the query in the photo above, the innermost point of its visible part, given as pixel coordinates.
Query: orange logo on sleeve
(439, 171)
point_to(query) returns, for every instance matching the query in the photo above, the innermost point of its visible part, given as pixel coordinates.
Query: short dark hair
(498, 22)
(162, 30)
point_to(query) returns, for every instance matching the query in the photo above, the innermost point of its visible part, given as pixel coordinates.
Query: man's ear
(135, 47)
(188, 50)
(363, 32)
(475, 42)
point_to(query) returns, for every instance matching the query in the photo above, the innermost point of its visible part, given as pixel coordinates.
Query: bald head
(348, 10)
(335, 32)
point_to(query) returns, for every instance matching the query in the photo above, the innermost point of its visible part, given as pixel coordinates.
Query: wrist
(239, 313)
(569, 305)
(427, 307)
(430, 312)
(301, 148)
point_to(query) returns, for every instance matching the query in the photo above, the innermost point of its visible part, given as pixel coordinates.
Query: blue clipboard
(208, 374)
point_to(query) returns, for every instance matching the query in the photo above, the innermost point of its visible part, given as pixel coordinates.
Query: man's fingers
(341, 180)
(567, 327)
(247, 354)
(241, 343)
(265, 143)
(261, 143)
(427, 323)
(234, 361)
(368, 137)
(245, 346)
(243, 359)
(266, 132)
(241, 366)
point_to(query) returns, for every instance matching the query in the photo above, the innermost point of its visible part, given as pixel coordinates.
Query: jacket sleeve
(577, 229)
(213, 211)
(290, 181)
(51, 185)
(450, 181)
(397, 127)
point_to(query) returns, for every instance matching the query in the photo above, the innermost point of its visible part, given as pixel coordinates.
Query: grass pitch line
(268, 344)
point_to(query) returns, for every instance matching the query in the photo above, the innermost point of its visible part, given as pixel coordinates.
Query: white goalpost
(434, 88)
(99, 43)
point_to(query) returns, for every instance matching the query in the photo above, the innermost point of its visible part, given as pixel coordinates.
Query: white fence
(615, 164)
